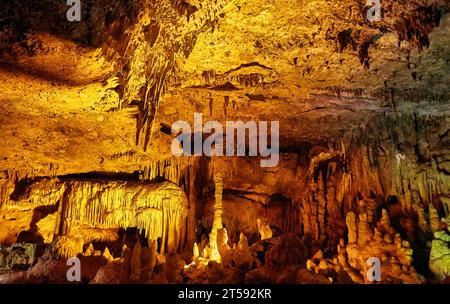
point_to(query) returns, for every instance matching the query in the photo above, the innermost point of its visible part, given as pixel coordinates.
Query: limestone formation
(264, 230)
(214, 254)
(243, 243)
(107, 255)
(382, 242)
(195, 252)
(159, 210)
(440, 255)
(435, 220)
(135, 262)
(89, 250)
(353, 113)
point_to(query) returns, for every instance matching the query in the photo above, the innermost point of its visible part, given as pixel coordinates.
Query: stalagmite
(135, 262)
(264, 230)
(89, 251)
(385, 224)
(107, 255)
(352, 229)
(243, 242)
(214, 254)
(364, 231)
(195, 252)
(222, 241)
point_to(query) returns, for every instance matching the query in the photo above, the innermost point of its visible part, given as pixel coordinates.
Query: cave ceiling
(78, 91)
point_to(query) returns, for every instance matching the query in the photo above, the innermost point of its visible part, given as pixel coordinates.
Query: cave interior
(362, 148)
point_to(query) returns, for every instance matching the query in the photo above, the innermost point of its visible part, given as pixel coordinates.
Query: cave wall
(363, 109)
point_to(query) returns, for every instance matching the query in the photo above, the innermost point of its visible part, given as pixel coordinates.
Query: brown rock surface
(86, 167)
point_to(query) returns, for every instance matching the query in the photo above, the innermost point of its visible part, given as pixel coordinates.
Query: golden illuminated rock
(264, 230)
(87, 168)
(107, 255)
(394, 253)
(195, 252)
(214, 254)
(89, 210)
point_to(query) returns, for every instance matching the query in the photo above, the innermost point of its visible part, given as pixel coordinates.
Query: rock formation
(88, 120)
(90, 211)
(214, 254)
(364, 243)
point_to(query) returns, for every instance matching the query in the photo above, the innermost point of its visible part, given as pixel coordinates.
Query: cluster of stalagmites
(135, 265)
(369, 238)
(275, 260)
(365, 243)
(282, 259)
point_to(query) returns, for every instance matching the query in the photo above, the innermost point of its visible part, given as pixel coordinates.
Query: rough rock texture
(86, 166)
(440, 249)
(440, 255)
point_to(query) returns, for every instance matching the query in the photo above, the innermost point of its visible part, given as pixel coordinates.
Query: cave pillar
(192, 203)
(217, 221)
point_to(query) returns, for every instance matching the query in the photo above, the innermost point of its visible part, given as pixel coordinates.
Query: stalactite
(416, 27)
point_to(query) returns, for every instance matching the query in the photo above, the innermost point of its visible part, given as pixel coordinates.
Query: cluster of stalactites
(159, 210)
(168, 169)
(151, 54)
